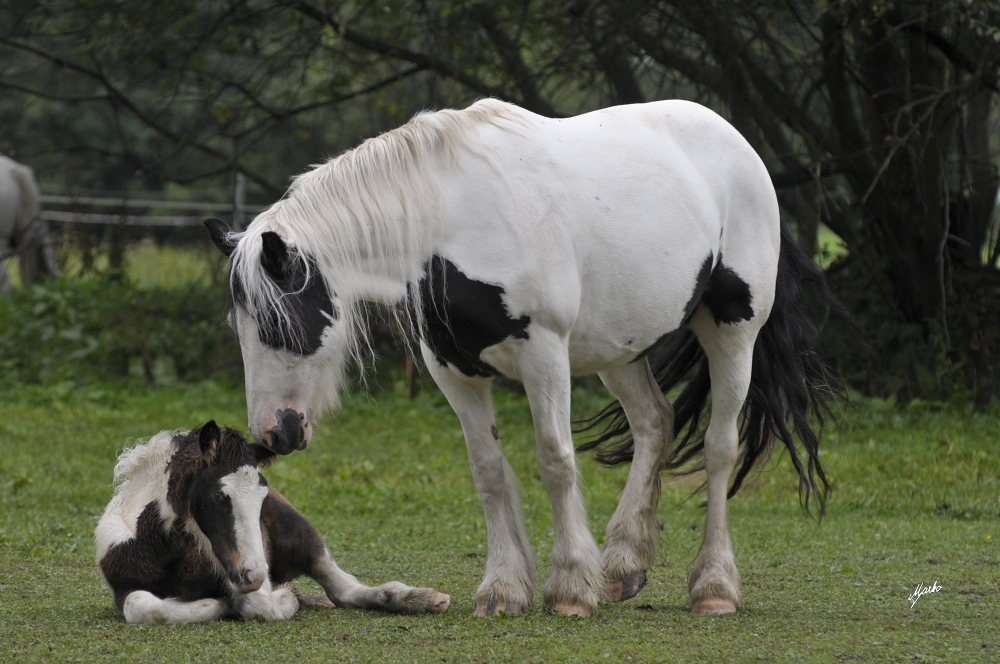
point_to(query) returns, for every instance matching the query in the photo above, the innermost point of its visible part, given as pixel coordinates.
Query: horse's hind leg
(633, 532)
(714, 583)
(144, 607)
(509, 582)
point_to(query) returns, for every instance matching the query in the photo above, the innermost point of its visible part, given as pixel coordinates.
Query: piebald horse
(538, 249)
(194, 533)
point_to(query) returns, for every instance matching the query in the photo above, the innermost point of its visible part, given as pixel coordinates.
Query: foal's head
(216, 483)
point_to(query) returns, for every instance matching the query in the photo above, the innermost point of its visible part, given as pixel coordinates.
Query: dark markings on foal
(306, 299)
(462, 317)
(493, 430)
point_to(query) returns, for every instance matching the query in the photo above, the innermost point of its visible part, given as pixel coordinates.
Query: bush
(101, 330)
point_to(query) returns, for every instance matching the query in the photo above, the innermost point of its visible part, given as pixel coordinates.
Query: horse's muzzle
(291, 432)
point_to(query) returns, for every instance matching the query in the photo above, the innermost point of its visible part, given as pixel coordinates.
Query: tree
(876, 119)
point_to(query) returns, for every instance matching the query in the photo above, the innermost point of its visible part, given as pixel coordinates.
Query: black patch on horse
(462, 317)
(700, 286)
(306, 299)
(727, 296)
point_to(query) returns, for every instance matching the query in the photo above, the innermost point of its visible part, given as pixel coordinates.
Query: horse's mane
(377, 201)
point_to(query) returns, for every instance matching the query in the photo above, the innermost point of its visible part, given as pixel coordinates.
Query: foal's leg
(296, 548)
(345, 591)
(714, 583)
(145, 607)
(509, 582)
(267, 603)
(633, 532)
(575, 584)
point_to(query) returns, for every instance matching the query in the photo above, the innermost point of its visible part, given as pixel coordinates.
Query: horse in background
(194, 533)
(22, 231)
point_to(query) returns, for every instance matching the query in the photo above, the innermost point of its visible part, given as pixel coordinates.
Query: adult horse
(540, 249)
(21, 231)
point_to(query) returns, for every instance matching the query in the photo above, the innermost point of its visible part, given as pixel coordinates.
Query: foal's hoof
(713, 606)
(493, 607)
(619, 590)
(440, 603)
(570, 609)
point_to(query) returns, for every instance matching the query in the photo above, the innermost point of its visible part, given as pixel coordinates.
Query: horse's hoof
(570, 609)
(619, 590)
(493, 607)
(713, 606)
(440, 604)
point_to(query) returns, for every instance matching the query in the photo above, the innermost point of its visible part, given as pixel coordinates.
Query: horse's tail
(788, 380)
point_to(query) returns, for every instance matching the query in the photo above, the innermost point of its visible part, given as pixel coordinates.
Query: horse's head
(292, 340)
(224, 493)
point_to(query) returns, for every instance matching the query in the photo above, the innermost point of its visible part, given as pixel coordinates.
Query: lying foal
(193, 533)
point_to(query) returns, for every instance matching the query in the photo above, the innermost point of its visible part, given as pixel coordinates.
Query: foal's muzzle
(247, 582)
(290, 433)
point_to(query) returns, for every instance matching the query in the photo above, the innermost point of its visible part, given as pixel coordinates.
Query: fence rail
(119, 219)
(121, 201)
(137, 203)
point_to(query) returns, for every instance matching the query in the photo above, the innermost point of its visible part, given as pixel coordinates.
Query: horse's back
(613, 216)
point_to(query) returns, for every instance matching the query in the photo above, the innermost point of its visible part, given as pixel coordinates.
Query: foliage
(85, 331)
(877, 119)
(386, 481)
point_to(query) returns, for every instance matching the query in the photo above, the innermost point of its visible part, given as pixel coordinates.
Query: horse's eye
(219, 498)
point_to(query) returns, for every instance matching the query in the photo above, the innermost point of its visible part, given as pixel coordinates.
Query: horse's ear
(219, 233)
(274, 256)
(263, 454)
(208, 440)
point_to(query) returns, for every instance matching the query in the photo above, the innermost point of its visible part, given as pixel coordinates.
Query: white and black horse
(538, 249)
(193, 533)
(22, 232)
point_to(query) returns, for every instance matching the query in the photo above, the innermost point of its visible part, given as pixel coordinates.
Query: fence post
(239, 200)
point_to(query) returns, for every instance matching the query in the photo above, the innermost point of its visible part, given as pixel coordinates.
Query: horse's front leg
(268, 603)
(509, 582)
(141, 607)
(575, 584)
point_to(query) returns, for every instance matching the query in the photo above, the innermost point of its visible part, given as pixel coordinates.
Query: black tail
(789, 378)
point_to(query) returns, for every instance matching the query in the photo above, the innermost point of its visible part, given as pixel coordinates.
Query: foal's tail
(788, 380)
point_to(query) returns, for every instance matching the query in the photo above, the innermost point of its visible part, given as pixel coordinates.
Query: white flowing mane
(372, 210)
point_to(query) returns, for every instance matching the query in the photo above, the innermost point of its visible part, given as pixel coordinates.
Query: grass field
(386, 482)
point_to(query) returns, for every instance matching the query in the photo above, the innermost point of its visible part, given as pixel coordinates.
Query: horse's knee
(556, 466)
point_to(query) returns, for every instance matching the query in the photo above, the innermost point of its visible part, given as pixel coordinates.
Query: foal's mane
(143, 458)
(377, 204)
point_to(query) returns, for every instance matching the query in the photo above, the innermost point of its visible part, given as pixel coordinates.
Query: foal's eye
(219, 498)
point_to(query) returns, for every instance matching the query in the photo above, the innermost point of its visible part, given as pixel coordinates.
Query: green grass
(386, 482)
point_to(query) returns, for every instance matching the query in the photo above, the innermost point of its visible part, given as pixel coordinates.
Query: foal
(193, 533)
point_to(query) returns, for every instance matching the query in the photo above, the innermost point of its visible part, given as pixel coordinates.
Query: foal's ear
(208, 440)
(219, 233)
(263, 454)
(274, 256)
